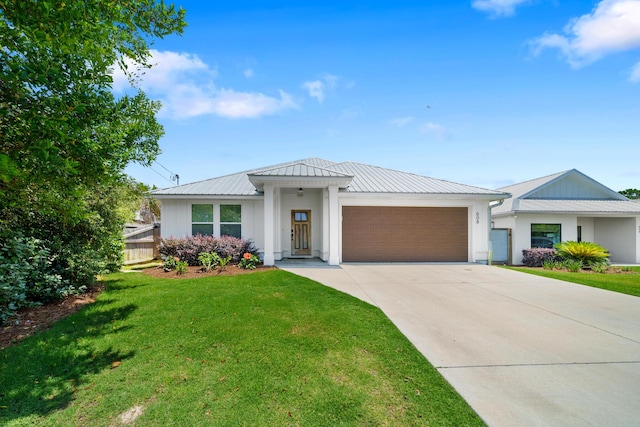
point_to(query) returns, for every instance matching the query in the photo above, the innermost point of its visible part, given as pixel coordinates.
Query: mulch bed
(196, 272)
(28, 321)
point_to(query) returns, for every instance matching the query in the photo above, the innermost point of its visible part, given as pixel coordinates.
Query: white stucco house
(567, 206)
(338, 212)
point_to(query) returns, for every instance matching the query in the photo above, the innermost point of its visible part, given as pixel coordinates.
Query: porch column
(325, 225)
(334, 226)
(268, 225)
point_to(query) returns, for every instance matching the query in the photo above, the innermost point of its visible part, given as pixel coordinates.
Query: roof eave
(256, 195)
(259, 181)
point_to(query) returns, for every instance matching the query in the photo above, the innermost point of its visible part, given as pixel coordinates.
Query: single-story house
(339, 212)
(569, 206)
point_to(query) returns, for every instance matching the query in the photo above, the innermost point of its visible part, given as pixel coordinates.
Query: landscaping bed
(30, 320)
(194, 272)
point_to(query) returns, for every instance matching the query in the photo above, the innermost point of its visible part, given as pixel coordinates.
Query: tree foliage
(631, 193)
(64, 138)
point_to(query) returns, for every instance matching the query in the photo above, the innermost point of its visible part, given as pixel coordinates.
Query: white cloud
(497, 7)
(401, 121)
(166, 67)
(185, 86)
(634, 77)
(318, 88)
(248, 73)
(230, 103)
(438, 131)
(612, 26)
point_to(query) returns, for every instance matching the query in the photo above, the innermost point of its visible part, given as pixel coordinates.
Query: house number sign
(477, 217)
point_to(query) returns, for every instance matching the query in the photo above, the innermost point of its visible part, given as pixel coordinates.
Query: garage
(404, 234)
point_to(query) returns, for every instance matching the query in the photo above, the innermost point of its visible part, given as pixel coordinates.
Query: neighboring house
(339, 212)
(569, 206)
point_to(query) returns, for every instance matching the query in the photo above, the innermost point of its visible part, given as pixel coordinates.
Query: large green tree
(65, 139)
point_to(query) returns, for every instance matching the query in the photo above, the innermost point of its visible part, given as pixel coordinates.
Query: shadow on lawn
(42, 374)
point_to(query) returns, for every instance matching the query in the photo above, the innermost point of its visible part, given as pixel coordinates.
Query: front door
(300, 233)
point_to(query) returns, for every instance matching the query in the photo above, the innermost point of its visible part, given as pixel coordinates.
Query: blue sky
(481, 92)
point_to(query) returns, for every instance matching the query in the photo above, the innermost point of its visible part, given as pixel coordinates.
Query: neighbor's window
(202, 220)
(230, 220)
(545, 235)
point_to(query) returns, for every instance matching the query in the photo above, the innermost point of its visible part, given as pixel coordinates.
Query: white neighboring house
(569, 206)
(338, 212)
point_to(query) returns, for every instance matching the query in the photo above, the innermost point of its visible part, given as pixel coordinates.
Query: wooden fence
(142, 244)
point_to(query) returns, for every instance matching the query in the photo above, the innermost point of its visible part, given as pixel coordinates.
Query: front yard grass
(625, 282)
(263, 349)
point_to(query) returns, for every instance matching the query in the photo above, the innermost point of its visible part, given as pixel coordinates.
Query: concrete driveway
(522, 350)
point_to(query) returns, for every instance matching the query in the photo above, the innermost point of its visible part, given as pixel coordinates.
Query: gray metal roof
(375, 179)
(568, 191)
(578, 206)
(366, 179)
(299, 170)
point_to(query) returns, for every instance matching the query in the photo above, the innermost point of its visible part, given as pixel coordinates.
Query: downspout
(489, 216)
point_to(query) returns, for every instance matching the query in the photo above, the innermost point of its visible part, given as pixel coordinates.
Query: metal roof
(578, 206)
(568, 191)
(375, 179)
(299, 170)
(366, 179)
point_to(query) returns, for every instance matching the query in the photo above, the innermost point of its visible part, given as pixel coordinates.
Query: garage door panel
(404, 234)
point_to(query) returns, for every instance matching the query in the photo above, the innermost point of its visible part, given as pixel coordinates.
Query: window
(545, 235)
(202, 220)
(231, 220)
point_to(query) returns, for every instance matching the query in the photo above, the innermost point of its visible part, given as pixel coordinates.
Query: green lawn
(263, 349)
(626, 282)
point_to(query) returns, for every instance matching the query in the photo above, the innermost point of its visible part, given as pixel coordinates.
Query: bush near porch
(189, 248)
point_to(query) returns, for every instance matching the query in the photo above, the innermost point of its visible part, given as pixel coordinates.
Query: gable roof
(564, 192)
(361, 178)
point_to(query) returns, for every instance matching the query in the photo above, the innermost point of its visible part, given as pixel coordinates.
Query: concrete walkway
(522, 350)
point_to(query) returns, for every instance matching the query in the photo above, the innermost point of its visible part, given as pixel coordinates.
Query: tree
(631, 193)
(64, 138)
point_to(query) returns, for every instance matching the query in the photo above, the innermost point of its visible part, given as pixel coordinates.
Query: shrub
(536, 257)
(224, 262)
(599, 267)
(228, 246)
(181, 267)
(249, 261)
(209, 260)
(28, 275)
(573, 265)
(189, 248)
(585, 252)
(170, 263)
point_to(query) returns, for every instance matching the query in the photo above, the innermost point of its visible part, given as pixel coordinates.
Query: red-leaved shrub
(535, 257)
(188, 248)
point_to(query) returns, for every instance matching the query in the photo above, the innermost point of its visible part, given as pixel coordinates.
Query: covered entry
(404, 234)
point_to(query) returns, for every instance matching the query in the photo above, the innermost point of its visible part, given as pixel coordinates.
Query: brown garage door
(410, 234)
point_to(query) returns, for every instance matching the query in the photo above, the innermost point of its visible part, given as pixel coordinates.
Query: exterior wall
(521, 234)
(620, 236)
(588, 229)
(478, 221)
(176, 217)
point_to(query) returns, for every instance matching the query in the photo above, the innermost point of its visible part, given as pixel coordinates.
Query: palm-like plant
(585, 252)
